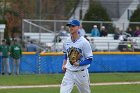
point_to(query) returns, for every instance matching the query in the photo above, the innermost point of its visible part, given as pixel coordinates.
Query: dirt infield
(45, 86)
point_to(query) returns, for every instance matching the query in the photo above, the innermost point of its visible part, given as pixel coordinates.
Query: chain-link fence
(103, 62)
(46, 31)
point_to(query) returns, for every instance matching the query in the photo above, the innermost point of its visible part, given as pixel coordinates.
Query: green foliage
(2, 21)
(96, 13)
(11, 11)
(135, 18)
(6, 36)
(1, 11)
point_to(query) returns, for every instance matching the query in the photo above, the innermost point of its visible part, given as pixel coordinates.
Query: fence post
(39, 63)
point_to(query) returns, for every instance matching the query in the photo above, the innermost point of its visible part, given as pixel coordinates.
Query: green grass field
(96, 89)
(56, 79)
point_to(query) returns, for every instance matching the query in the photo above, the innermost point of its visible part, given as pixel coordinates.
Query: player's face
(73, 29)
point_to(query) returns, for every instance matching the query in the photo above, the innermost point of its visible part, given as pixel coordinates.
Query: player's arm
(64, 62)
(84, 62)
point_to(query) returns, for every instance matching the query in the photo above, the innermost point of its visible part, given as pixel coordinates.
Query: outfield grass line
(28, 86)
(57, 85)
(114, 83)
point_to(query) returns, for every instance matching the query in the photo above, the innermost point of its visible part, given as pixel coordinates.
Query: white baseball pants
(79, 78)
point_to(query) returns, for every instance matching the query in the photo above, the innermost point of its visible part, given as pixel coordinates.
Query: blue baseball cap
(73, 22)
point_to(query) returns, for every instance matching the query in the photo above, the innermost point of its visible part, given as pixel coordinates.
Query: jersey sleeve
(0, 48)
(87, 51)
(64, 48)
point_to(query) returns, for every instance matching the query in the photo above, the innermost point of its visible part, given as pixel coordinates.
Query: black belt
(78, 70)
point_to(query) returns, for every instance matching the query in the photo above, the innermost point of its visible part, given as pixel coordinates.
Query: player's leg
(13, 66)
(67, 83)
(82, 81)
(7, 66)
(17, 66)
(3, 66)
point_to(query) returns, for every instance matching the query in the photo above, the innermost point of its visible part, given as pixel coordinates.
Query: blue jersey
(83, 46)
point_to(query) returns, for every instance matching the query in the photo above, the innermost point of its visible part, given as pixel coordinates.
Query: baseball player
(76, 72)
(16, 54)
(4, 51)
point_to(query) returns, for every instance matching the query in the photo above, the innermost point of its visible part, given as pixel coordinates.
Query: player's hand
(76, 63)
(64, 68)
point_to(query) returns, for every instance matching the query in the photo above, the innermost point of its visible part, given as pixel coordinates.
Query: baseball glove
(73, 55)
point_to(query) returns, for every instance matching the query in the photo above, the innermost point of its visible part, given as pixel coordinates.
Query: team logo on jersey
(16, 48)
